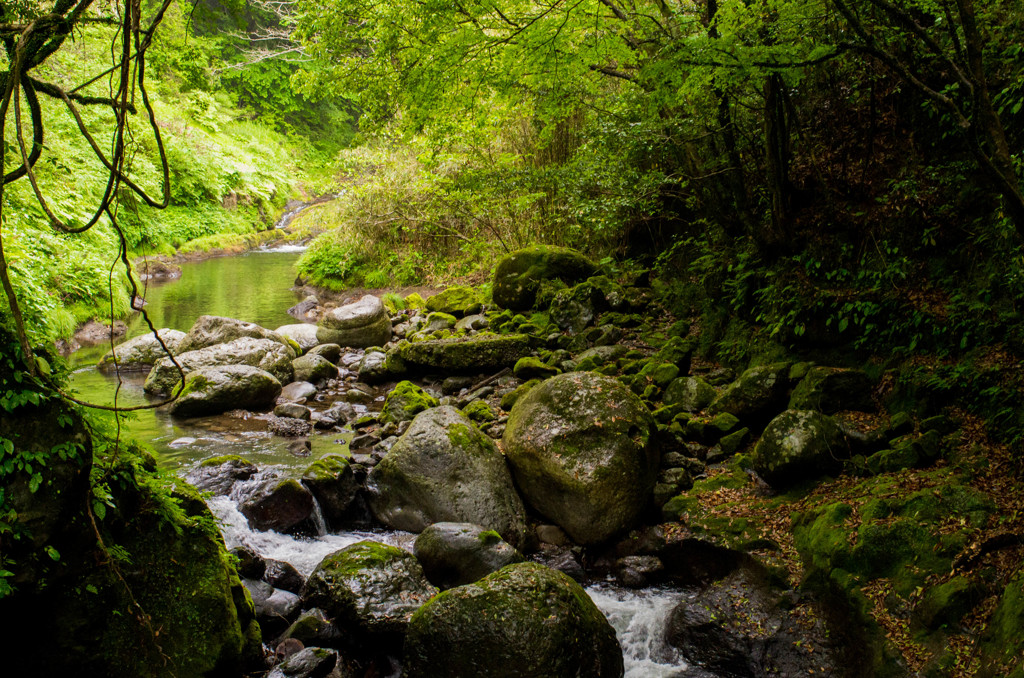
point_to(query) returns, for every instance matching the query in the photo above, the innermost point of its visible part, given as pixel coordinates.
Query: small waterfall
(318, 519)
(640, 619)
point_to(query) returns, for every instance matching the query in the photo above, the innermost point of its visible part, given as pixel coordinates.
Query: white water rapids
(638, 617)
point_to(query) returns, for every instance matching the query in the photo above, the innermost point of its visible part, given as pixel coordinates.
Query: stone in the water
(524, 620)
(265, 354)
(314, 368)
(275, 608)
(142, 352)
(453, 554)
(302, 334)
(310, 662)
(292, 411)
(333, 483)
(213, 390)
(219, 474)
(297, 392)
(357, 325)
(184, 441)
(210, 330)
(282, 505)
(289, 428)
(282, 575)
(580, 447)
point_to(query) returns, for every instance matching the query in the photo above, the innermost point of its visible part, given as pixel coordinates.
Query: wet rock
(300, 448)
(580, 448)
(213, 390)
(369, 586)
(562, 558)
(525, 620)
(832, 389)
(309, 662)
(405, 402)
(357, 325)
(303, 334)
(303, 309)
(219, 474)
(452, 385)
(453, 554)
(329, 352)
(798, 445)
(517, 276)
(282, 505)
(282, 575)
(297, 392)
(142, 352)
(312, 627)
(268, 355)
(443, 469)
(210, 330)
(275, 608)
(250, 565)
(314, 368)
(289, 428)
(333, 483)
(637, 572)
(338, 413)
(292, 411)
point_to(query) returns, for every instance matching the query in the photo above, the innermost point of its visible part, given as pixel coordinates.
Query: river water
(256, 287)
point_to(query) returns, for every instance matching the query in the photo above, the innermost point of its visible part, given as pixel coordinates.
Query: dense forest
(757, 194)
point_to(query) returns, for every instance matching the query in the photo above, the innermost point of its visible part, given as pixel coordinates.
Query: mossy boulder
(479, 411)
(1002, 640)
(832, 389)
(360, 324)
(757, 396)
(581, 451)
(303, 334)
(334, 485)
(524, 620)
(798, 445)
(443, 469)
(142, 352)
(946, 604)
(210, 330)
(377, 366)
(270, 356)
(509, 400)
(689, 394)
(279, 504)
(314, 368)
(405, 402)
(456, 301)
(531, 367)
(573, 309)
(369, 587)
(518, 275)
(453, 554)
(466, 354)
(212, 390)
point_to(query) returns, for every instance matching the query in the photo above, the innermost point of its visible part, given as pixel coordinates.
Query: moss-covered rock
(454, 554)
(405, 402)
(314, 368)
(212, 390)
(517, 276)
(360, 324)
(534, 368)
(1002, 639)
(443, 469)
(757, 396)
(831, 389)
(479, 411)
(270, 356)
(525, 620)
(509, 400)
(798, 445)
(303, 334)
(581, 451)
(689, 394)
(469, 354)
(437, 322)
(457, 301)
(369, 587)
(335, 487)
(573, 309)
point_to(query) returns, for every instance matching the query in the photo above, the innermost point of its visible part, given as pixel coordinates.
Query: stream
(256, 287)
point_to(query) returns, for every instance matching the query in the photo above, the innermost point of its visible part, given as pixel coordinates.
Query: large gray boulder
(454, 554)
(357, 325)
(268, 355)
(798, 445)
(443, 469)
(472, 354)
(368, 586)
(524, 620)
(142, 352)
(758, 395)
(279, 504)
(580, 448)
(303, 334)
(690, 394)
(212, 390)
(210, 330)
(518, 275)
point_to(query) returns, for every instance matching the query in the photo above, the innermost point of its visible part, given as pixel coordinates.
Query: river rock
(798, 445)
(736, 627)
(282, 505)
(287, 427)
(309, 662)
(282, 575)
(471, 323)
(303, 334)
(689, 394)
(832, 389)
(457, 301)
(453, 554)
(305, 309)
(314, 368)
(464, 354)
(405, 402)
(219, 474)
(329, 352)
(357, 325)
(271, 356)
(296, 392)
(142, 352)
(369, 586)
(443, 469)
(376, 367)
(580, 448)
(757, 396)
(518, 275)
(524, 620)
(333, 483)
(293, 411)
(210, 330)
(275, 608)
(312, 627)
(212, 390)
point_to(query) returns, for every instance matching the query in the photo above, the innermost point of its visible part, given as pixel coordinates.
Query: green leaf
(52, 552)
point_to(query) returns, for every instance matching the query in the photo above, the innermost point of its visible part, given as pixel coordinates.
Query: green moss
(226, 458)
(405, 402)
(512, 397)
(479, 411)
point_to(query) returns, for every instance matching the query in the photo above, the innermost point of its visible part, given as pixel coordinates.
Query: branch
(57, 93)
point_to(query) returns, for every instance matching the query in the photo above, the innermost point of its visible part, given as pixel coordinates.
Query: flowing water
(256, 287)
